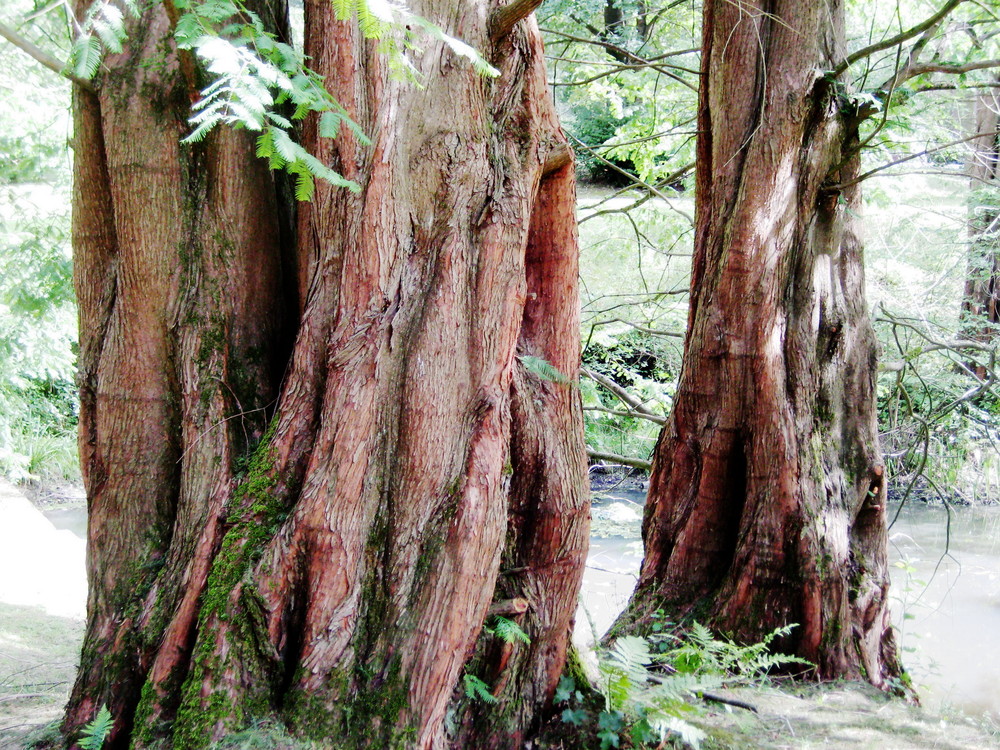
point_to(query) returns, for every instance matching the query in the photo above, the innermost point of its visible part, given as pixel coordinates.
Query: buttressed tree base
(766, 499)
(315, 462)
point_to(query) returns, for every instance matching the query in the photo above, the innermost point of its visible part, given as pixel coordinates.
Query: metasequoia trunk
(981, 298)
(177, 254)
(766, 500)
(416, 479)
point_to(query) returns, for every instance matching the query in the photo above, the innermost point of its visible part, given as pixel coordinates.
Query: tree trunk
(981, 299)
(416, 479)
(766, 500)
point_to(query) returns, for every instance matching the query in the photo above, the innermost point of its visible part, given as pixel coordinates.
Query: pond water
(946, 590)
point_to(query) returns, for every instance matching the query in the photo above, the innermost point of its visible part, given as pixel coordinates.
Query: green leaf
(564, 690)
(576, 717)
(86, 56)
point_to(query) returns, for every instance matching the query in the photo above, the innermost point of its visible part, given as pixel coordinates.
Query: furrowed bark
(338, 578)
(766, 500)
(176, 268)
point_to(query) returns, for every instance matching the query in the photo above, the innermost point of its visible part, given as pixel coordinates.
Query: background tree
(980, 303)
(418, 476)
(766, 498)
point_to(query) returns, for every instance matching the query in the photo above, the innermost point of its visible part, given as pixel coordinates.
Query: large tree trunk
(416, 478)
(766, 496)
(981, 298)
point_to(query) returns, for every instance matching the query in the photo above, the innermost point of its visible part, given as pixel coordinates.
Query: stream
(946, 590)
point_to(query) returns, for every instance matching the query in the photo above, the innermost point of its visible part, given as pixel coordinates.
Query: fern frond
(544, 369)
(92, 736)
(476, 688)
(86, 56)
(509, 631)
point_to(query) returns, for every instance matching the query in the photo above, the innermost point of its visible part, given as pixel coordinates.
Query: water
(946, 603)
(946, 590)
(945, 593)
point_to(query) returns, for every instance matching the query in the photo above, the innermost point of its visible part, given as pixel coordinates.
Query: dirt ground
(42, 603)
(43, 595)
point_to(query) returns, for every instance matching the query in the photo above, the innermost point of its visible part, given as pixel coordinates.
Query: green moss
(257, 516)
(362, 709)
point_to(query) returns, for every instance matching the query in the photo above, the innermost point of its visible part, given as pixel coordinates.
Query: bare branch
(43, 57)
(634, 414)
(904, 36)
(917, 70)
(623, 55)
(644, 329)
(631, 401)
(883, 167)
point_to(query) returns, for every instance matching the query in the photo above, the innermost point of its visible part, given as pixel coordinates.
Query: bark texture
(981, 298)
(415, 479)
(766, 496)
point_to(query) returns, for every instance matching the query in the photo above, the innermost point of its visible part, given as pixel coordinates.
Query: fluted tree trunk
(316, 463)
(766, 500)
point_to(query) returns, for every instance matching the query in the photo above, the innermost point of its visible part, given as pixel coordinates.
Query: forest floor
(42, 596)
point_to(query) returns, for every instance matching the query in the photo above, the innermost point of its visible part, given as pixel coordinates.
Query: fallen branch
(635, 463)
(715, 698)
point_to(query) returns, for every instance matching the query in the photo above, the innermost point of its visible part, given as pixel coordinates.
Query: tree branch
(621, 54)
(559, 155)
(876, 170)
(916, 70)
(43, 57)
(635, 463)
(504, 19)
(635, 414)
(631, 401)
(913, 31)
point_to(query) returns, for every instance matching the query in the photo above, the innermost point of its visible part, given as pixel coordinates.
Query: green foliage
(630, 89)
(101, 30)
(37, 337)
(92, 736)
(646, 367)
(263, 735)
(476, 689)
(699, 652)
(257, 81)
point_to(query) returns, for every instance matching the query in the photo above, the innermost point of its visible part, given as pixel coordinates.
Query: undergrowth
(648, 691)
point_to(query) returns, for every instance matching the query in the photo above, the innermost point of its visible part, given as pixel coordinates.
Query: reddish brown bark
(766, 496)
(414, 477)
(981, 298)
